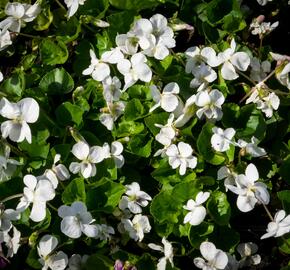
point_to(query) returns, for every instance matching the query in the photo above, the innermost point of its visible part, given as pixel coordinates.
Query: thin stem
(13, 148)
(60, 4)
(26, 35)
(268, 212)
(177, 57)
(247, 77)
(12, 197)
(52, 207)
(260, 46)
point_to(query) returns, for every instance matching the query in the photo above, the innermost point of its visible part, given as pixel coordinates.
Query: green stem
(60, 4)
(12, 197)
(26, 35)
(52, 207)
(13, 148)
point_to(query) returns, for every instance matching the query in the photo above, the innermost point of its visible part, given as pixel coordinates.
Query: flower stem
(12, 197)
(26, 35)
(60, 4)
(52, 207)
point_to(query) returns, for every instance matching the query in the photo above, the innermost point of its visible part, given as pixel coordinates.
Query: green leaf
(98, 261)
(217, 9)
(57, 81)
(204, 145)
(74, 191)
(159, 118)
(14, 85)
(219, 208)
(134, 109)
(284, 197)
(199, 233)
(53, 52)
(44, 19)
(68, 113)
(145, 263)
(140, 145)
(164, 207)
(32, 259)
(128, 128)
(68, 31)
(105, 196)
(134, 4)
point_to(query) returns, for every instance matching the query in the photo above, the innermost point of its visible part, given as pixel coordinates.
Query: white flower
(168, 100)
(259, 69)
(197, 211)
(111, 113)
(283, 76)
(181, 156)
(232, 60)
(23, 112)
(5, 41)
(210, 103)
(137, 227)
(246, 251)
(5, 218)
(7, 165)
(98, 68)
(221, 139)
(134, 70)
(88, 156)
(37, 192)
(279, 226)
(167, 132)
(215, 258)
(187, 113)
(114, 152)
(57, 172)
(268, 104)
(195, 57)
(252, 148)
(202, 77)
(228, 176)
(1, 75)
(112, 89)
(168, 253)
(105, 232)
(162, 38)
(77, 262)
(18, 13)
(12, 243)
(50, 259)
(73, 6)
(113, 56)
(249, 190)
(261, 28)
(135, 199)
(77, 220)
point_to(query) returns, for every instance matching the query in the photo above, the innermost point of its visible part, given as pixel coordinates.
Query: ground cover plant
(141, 134)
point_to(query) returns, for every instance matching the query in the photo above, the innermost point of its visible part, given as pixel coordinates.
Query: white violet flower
(168, 100)
(77, 262)
(221, 139)
(73, 6)
(49, 258)
(181, 156)
(249, 191)
(197, 211)
(135, 199)
(137, 227)
(77, 220)
(37, 192)
(210, 104)
(23, 112)
(251, 148)
(213, 258)
(279, 226)
(114, 152)
(168, 253)
(89, 156)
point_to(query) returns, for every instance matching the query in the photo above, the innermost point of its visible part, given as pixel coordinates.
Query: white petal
(116, 148)
(8, 110)
(75, 167)
(169, 103)
(29, 109)
(246, 203)
(171, 88)
(252, 173)
(81, 150)
(241, 60)
(208, 250)
(70, 226)
(90, 230)
(47, 244)
(38, 211)
(30, 181)
(96, 154)
(228, 71)
(196, 216)
(221, 260)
